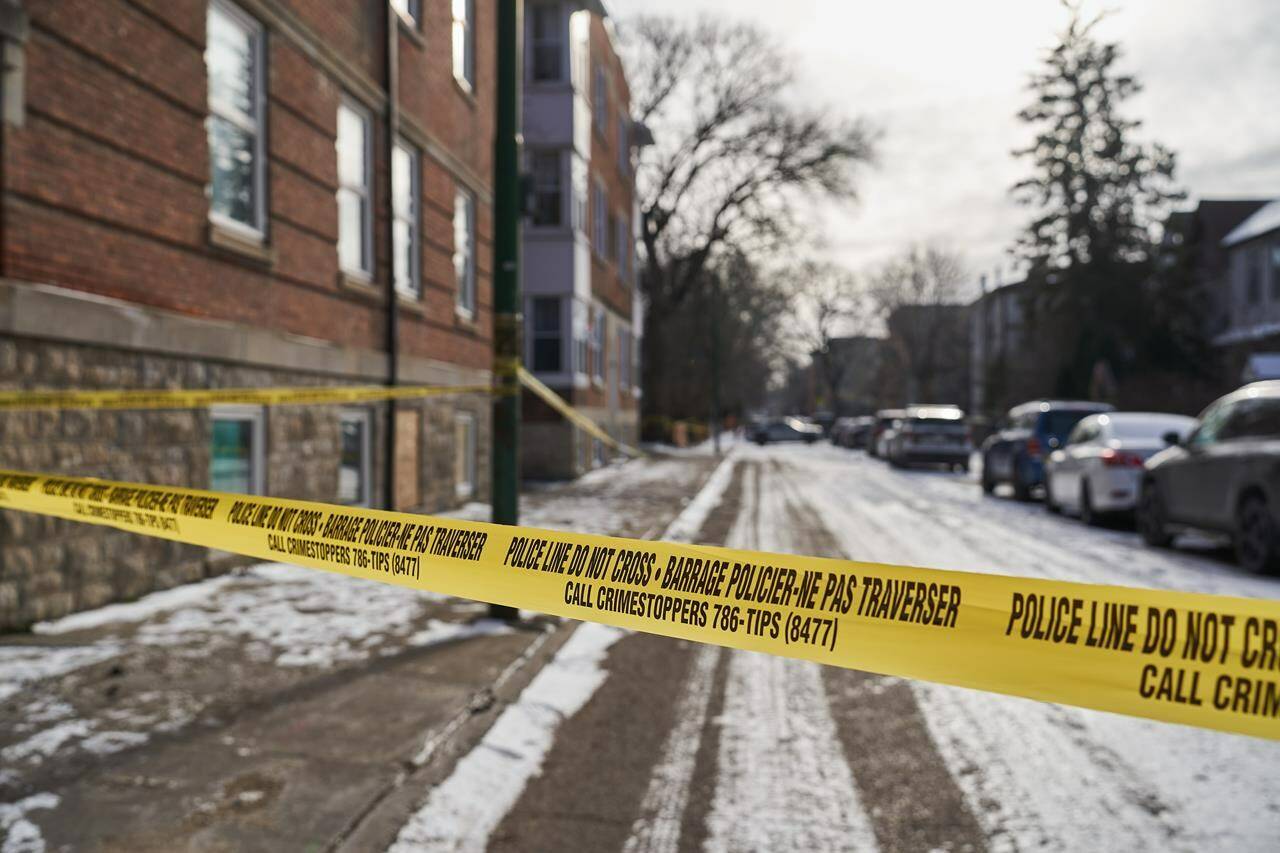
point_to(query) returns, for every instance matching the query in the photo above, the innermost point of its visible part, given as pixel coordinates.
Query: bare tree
(919, 297)
(828, 307)
(733, 151)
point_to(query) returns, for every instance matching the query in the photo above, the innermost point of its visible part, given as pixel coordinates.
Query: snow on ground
(462, 812)
(1039, 775)
(24, 665)
(20, 834)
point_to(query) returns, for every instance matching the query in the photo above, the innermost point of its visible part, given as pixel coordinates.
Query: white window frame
(255, 124)
(410, 11)
(465, 469)
(256, 417)
(412, 288)
(365, 419)
(365, 192)
(560, 41)
(464, 43)
(464, 203)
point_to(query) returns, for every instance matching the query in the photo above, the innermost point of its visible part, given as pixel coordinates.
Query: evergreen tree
(1099, 196)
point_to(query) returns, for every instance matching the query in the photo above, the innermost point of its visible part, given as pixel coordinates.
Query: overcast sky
(944, 78)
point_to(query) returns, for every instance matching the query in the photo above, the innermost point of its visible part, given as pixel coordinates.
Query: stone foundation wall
(556, 450)
(50, 567)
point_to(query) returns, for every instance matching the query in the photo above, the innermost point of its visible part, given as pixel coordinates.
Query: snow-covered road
(685, 749)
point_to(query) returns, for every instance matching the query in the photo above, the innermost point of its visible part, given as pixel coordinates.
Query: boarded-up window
(408, 461)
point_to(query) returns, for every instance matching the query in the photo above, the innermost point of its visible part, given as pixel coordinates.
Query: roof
(1061, 405)
(1263, 221)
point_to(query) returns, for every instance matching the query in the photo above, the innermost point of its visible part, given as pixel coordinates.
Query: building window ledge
(411, 303)
(410, 29)
(466, 90)
(359, 284)
(251, 246)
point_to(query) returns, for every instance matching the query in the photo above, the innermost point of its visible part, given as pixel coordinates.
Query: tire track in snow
(1040, 775)
(782, 781)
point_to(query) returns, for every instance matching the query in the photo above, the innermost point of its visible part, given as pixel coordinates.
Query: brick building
(229, 193)
(583, 318)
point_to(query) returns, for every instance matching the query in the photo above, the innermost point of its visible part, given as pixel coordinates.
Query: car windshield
(1149, 429)
(1060, 422)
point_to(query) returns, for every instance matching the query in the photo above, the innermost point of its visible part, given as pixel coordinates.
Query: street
(684, 747)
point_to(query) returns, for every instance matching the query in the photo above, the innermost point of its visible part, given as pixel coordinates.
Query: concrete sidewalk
(277, 708)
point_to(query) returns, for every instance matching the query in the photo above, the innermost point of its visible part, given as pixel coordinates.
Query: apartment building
(233, 193)
(583, 316)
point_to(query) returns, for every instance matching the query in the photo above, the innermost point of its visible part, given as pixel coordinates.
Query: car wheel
(1151, 518)
(1257, 548)
(1087, 513)
(1049, 503)
(988, 482)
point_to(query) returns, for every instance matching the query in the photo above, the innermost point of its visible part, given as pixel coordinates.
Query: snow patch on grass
(23, 665)
(20, 834)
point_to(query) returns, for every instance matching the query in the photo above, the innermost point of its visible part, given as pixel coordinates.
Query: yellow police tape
(182, 398)
(571, 414)
(1201, 660)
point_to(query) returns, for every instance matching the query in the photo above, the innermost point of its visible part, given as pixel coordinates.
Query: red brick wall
(106, 182)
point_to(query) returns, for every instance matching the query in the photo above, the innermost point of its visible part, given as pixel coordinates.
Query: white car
(1098, 469)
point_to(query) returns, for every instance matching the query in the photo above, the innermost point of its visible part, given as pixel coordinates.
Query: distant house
(1253, 292)
(1198, 234)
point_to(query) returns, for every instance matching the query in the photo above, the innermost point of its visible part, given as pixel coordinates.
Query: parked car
(1224, 477)
(930, 434)
(884, 420)
(788, 429)
(1098, 470)
(851, 432)
(1015, 453)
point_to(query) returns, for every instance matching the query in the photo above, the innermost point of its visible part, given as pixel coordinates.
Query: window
(600, 99)
(464, 42)
(547, 338)
(622, 250)
(405, 231)
(464, 450)
(353, 459)
(1255, 418)
(234, 59)
(548, 189)
(599, 216)
(624, 357)
(548, 44)
(355, 235)
(235, 450)
(596, 349)
(410, 10)
(464, 250)
(624, 145)
(1212, 423)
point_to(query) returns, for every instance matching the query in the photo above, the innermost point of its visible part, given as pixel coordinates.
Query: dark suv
(1225, 478)
(1015, 453)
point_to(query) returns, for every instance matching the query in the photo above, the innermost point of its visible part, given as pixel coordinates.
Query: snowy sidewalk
(252, 706)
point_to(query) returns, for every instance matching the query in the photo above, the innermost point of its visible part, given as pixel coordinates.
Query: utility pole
(715, 361)
(507, 320)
